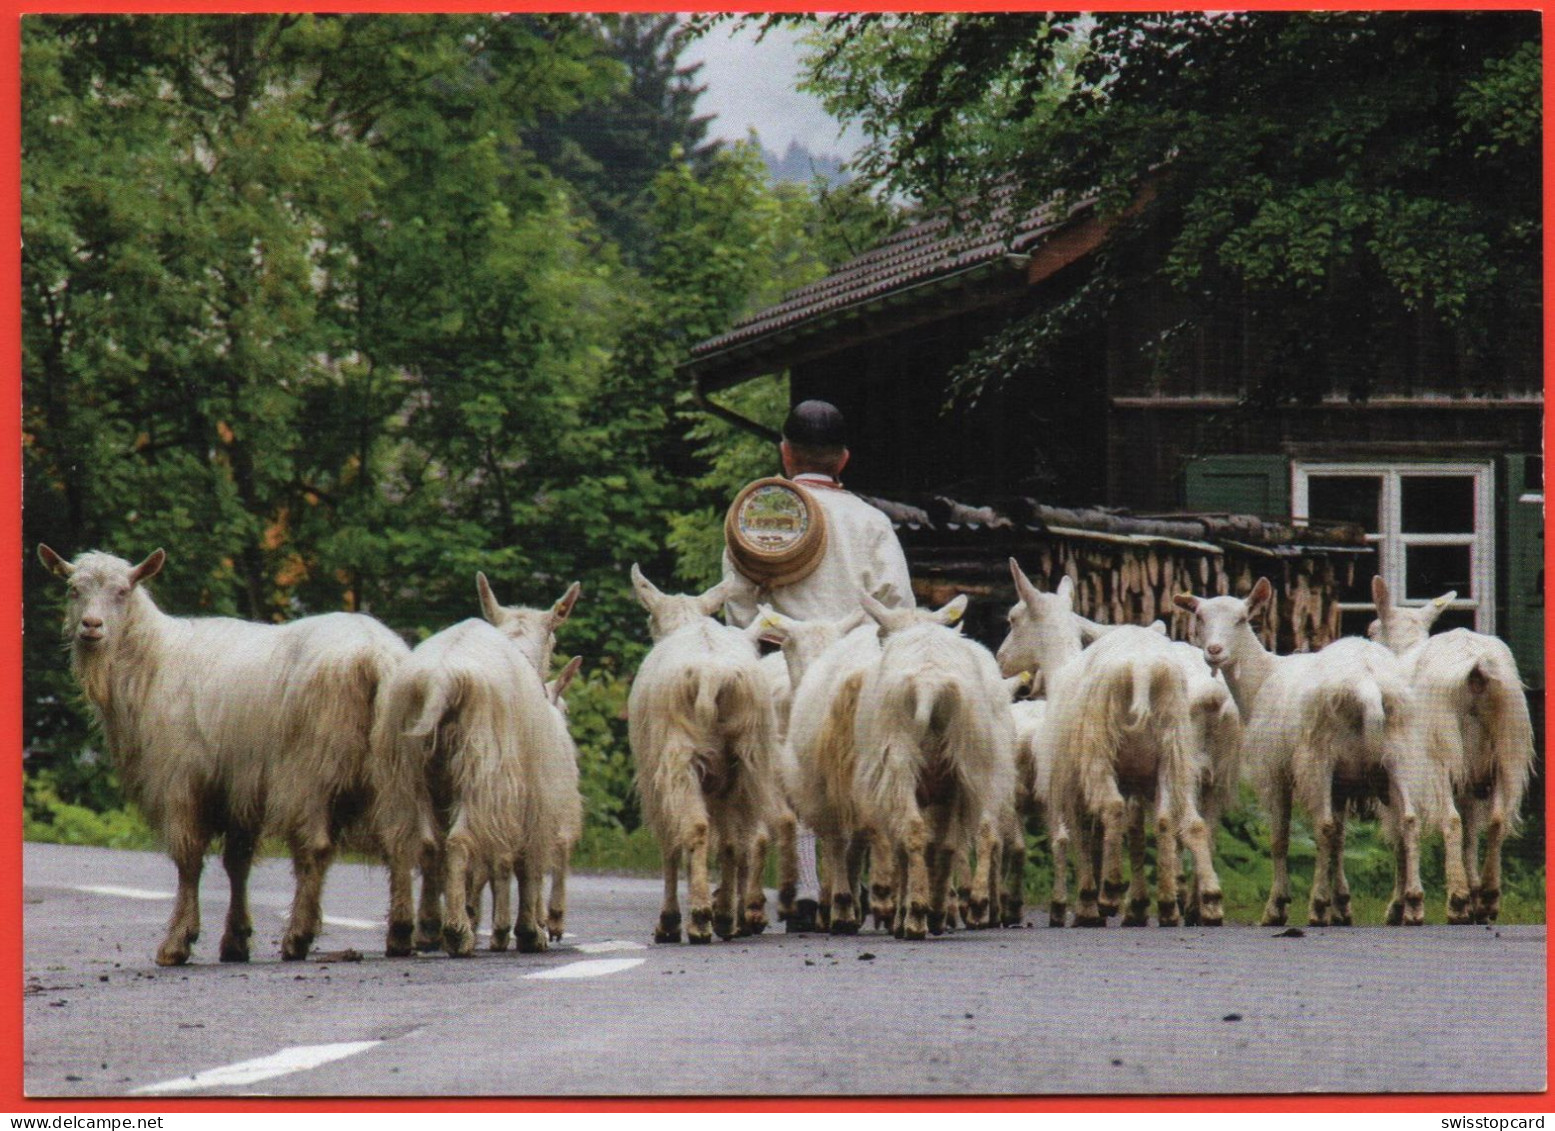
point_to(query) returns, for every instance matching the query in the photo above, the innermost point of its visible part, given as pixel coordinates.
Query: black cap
(816, 424)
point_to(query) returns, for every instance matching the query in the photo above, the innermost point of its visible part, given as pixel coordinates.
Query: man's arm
(740, 596)
(893, 582)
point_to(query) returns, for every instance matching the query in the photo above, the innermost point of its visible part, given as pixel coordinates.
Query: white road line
(122, 893)
(143, 893)
(591, 968)
(297, 1059)
(608, 945)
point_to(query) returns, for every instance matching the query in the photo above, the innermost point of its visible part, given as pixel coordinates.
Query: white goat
(221, 727)
(1120, 726)
(470, 774)
(827, 662)
(1326, 729)
(784, 826)
(701, 731)
(1034, 791)
(935, 758)
(1476, 724)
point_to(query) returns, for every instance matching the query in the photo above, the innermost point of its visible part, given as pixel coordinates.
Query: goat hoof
(1394, 916)
(172, 955)
(1138, 914)
(936, 923)
(700, 930)
(532, 941)
(844, 926)
(1015, 917)
(458, 942)
(786, 896)
(755, 921)
(663, 936)
(499, 940)
(1273, 918)
(1057, 913)
(398, 944)
(294, 948)
(234, 950)
(429, 935)
(1488, 906)
(1211, 911)
(723, 926)
(555, 925)
(1414, 909)
(1084, 920)
(1459, 909)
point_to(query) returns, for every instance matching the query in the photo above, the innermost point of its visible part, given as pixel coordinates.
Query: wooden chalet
(1131, 474)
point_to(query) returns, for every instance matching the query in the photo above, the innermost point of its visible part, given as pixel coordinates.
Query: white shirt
(862, 556)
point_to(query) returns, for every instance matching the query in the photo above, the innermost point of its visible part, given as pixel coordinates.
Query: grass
(1241, 860)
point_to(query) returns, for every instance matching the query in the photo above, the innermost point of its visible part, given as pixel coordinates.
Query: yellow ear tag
(769, 621)
(955, 615)
(1026, 678)
(1440, 602)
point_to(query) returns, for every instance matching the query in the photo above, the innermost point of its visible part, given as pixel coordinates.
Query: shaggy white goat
(826, 663)
(784, 828)
(701, 730)
(470, 774)
(1476, 724)
(1326, 729)
(935, 757)
(221, 727)
(1120, 727)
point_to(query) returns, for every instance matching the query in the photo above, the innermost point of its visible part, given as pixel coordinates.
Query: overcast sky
(751, 86)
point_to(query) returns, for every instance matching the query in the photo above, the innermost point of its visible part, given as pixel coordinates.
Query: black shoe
(804, 919)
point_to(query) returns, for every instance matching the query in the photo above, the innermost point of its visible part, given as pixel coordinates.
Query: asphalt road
(1034, 1011)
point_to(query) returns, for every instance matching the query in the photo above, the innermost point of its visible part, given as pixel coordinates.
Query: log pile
(1126, 568)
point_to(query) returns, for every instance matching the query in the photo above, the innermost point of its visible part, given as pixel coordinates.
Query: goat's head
(669, 611)
(1399, 628)
(103, 591)
(898, 620)
(1037, 619)
(532, 630)
(802, 641)
(1222, 626)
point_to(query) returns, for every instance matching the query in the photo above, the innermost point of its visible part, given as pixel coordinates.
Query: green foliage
(342, 309)
(1290, 166)
(47, 817)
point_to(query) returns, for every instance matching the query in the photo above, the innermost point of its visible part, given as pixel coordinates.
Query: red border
(11, 961)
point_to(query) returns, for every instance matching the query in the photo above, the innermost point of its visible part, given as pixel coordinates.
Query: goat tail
(1142, 676)
(931, 704)
(443, 696)
(1374, 713)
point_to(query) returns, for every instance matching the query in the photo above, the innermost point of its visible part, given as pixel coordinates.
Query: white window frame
(1391, 542)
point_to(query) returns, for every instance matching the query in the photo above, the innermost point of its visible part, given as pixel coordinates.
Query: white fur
(1339, 720)
(1475, 725)
(701, 729)
(222, 727)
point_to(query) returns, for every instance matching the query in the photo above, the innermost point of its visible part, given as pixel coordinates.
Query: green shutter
(1524, 625)
(1257, 485)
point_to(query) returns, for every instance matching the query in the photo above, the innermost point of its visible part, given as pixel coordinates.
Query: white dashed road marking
(590, 968)
(608, 945)
(143, 893)
(297, 1059)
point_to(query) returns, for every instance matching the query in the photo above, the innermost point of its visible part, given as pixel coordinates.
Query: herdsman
(862, 555)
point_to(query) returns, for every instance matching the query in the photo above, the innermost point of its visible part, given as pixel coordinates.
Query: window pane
(1429, 571)
(1454, 618)
(1356, 590)
(1438, 504)
(1353, 622)
(1345, 498)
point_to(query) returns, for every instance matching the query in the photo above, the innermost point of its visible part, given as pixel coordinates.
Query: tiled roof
(928, 252)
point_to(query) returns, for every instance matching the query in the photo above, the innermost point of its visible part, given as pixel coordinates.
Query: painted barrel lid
(775, 531)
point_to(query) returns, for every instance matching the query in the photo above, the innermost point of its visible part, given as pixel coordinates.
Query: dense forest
(339, 310)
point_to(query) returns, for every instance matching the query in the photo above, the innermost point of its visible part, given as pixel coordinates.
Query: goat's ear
(56, 564)
(770, 627)
(150, 567)
(1015, 684)
(1374, 630)
(1090, 631)
(1379, 594)
(887, 619)
(1024, 589)
(1186, 601)
(952, 610)
(647, 594)
(1426, 614)
(490, 609)
(848, 623)
(713, 600)
(563, 608)
(1261, 595)
(1065, 590)
(558, 686)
